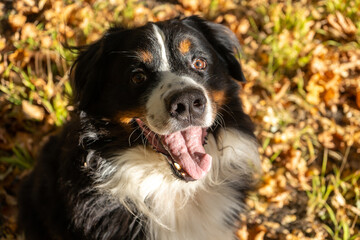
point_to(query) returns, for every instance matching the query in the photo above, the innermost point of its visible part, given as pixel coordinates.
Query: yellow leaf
(17, 21)
(2, 44)
(32, 111)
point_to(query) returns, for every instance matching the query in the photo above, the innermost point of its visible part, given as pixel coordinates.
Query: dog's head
(174, 79)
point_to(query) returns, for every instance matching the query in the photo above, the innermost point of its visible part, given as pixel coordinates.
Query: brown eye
(199, 64)
(139, 77)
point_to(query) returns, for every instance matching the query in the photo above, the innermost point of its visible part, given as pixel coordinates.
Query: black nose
(187, 105)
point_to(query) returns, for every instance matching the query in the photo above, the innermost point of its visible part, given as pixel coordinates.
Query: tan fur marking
(219, 97)
(184, 46)
(127, 116)
(146, 56)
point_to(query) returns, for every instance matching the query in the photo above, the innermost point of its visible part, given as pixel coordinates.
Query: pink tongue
(186, 148)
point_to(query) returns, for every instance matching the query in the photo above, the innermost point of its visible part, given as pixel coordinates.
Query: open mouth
(184, 150)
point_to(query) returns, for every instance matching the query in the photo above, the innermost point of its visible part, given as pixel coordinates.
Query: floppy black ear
(223, 41)
(86, 74)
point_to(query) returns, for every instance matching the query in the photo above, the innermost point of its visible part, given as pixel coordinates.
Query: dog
(158, 146)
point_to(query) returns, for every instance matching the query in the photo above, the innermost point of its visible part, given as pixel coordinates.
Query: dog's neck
(176, 209)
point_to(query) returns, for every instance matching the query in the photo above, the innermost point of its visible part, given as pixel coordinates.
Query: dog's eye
(138, 77)
(199, 64)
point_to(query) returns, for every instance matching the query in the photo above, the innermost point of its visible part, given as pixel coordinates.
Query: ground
(301, 60)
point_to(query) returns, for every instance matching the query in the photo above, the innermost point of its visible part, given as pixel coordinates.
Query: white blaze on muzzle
(158, 117)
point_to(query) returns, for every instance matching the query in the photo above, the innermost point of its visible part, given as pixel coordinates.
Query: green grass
(350, 8)
(20, 158)
(287, 26)
(330, 198)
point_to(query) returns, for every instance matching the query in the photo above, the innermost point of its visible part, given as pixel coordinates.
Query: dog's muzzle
(187, 106)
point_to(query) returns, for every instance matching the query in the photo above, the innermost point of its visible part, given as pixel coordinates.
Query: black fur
(58, 199)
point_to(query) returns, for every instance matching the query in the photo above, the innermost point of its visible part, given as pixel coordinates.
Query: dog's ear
(223, 41)
(86, 74)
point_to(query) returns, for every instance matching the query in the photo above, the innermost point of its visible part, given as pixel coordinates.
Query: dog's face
(173, 79)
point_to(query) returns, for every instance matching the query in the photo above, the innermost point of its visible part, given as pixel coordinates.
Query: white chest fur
(176, 209)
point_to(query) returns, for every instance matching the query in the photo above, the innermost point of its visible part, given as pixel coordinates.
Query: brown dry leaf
(2, 44)
(142, 15)
(330, 94)
(341, 26)
(260, 235)
(272, 225)
(288, 219)
(30, 3)
(243, 233)
(190, 4)
(196, 5)
(28, 31)
(256, 232)
(318, 65)
(41, 4)
(324, 87)
(326, 139)
(244, 26)
(65, 31)
(46, 42)
(16, 21)
(26, 6)
(292, 163)
(69, 13)
(32, 112)
(281, 199)
(20, 57)
(230, 18)
(346, 24)
(332, 88)
(358, 97)
(273, 184)
(280, 94)
(164, 12)
(314, 90)
(269, 186)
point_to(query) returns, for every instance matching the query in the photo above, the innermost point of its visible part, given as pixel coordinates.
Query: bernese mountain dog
(158, 146)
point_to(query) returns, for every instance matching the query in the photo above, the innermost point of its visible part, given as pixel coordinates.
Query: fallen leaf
(288, 219)
(28, 31)
(32, 112)
(326, 139)
(46, 42)
(17, 21)
(243, 27)
(2, 44)
(20, 57)
(340, 26)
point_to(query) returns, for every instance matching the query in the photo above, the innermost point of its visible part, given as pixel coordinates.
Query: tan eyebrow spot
(184, 46)
(146, 56)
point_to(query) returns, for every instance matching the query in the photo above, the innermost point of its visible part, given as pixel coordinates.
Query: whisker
(129, 139)
(221, 121)
(231, 114)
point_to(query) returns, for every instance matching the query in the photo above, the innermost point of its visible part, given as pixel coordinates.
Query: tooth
(177, 166)
(183, 174)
